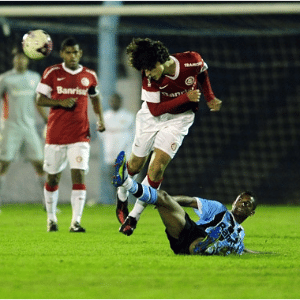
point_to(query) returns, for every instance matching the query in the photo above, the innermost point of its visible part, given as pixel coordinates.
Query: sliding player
(218, 231)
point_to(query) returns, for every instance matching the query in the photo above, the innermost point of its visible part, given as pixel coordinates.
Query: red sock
(79, 186)
(50, 188)
(129, 172)
(154, 184)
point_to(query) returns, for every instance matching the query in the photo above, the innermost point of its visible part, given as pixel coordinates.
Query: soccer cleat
(128, 226)
(76, 227)
(120, 173)
(52, 226)
(122, 210)
(210, 239)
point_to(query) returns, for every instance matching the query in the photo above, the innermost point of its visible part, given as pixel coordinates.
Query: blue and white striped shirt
(212, 214)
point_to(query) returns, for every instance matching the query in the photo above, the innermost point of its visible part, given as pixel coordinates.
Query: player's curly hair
(143, 54)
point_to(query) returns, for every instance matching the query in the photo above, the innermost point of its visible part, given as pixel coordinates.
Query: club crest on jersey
(190, 80)
(173, 146)
(79, 159)
(85, 81)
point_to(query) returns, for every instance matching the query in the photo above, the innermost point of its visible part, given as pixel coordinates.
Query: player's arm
(42, 113)
(175, 105)
(186, 201)
(213, 103)
(43, 100)
(97, 107)
(256, 252)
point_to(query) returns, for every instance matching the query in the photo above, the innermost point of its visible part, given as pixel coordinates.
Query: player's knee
(4, 167)
(163, 196)
(134, 165)
(53, 180)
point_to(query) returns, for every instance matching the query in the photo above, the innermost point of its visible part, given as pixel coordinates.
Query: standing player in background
(118, 135)
(171, 95)
(18, 126)
(66, 88)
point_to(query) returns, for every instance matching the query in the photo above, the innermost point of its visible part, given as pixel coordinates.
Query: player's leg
(10, 143)
(172, 214)
(34, 150)
(40, 173)
(51, 194)
(78, 156)
(55, 161)
(142, 146)
(134, 166)
(165, 142)
(157, 165)
(4, 165)
(78, 197)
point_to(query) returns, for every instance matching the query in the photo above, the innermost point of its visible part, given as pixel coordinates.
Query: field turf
(103, 263)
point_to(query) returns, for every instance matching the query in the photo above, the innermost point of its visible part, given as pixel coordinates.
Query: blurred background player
(66, 88)
(217, 232)
(170, 93)
(118, 135)
(18, 122)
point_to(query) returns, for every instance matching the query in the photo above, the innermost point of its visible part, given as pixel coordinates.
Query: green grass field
(103, 263)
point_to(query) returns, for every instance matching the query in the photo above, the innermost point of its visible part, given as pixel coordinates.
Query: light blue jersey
(20, 93)
(213, 214)
(18, 124)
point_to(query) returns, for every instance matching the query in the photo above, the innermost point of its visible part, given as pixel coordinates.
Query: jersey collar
(73, 72)
(177, 70)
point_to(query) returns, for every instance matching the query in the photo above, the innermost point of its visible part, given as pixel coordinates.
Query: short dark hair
(145, 53)
(69, 42)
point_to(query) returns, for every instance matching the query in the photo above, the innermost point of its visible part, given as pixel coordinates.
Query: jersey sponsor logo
(226, 233)
(68, 91)
(60, 79)
(174, 95)
(190, 80)
(85, 81)
(193, 64)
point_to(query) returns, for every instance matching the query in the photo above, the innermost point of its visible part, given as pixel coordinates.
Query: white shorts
(14, 137)
(165, 132)
(58, 156)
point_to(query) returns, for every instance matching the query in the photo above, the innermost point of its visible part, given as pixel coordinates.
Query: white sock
(51, 199)
(122, 191)
(139, 206)
(77, 200)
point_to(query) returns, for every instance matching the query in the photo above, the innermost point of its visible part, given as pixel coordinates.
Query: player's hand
(100, 126)
(215, 104)
(68, 103)
(194, 95)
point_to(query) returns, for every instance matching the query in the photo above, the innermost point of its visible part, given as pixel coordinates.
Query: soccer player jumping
(170, 94)
(218, 231)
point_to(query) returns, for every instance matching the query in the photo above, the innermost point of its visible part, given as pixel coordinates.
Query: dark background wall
(254, 64)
